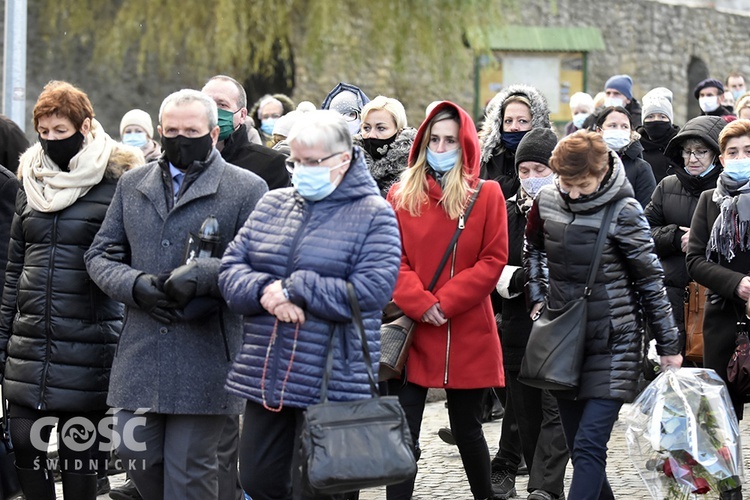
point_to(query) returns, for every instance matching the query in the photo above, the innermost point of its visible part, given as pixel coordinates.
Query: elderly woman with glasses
(693, 155)
(287, 272)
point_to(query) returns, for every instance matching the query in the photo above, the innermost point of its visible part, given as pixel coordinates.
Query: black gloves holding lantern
(191, 291)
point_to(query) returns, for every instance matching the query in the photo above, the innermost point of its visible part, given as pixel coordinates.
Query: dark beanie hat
(708, 82)
(536, 145)
(621, 83)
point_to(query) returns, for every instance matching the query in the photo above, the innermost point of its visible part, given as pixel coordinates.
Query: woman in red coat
(456, 346)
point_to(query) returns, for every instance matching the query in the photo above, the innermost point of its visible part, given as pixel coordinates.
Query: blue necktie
(177, 182)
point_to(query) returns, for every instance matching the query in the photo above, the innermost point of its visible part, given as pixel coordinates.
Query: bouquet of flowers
(683, 436)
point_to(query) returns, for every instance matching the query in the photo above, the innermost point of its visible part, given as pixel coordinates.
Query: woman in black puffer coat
(657, 130)
(58, 330)
(672, 205)
(562, 227)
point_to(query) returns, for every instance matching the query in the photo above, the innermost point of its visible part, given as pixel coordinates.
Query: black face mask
(657, 130)
(61, 151)
(378, 148)
(182, 151)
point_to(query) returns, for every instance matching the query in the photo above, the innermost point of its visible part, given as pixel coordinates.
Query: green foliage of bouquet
(683, 436)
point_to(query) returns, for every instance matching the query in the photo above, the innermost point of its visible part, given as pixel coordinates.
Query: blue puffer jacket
(316, 247)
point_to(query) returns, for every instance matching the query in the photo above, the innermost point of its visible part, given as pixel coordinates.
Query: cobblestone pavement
(441, 475)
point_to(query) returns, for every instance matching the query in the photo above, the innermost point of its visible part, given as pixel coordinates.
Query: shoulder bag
(352, 445)
(397, 329)
(738, 368)
(695, 303)
(554, 353)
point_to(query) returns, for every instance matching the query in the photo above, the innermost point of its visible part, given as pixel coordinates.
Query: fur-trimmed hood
(387, 169)
(489, 136)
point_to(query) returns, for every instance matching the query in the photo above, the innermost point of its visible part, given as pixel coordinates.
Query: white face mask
(613, 101)
(616, 139)
(709, 103)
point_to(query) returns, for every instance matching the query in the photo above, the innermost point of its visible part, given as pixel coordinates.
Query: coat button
(165, 243)
(163, 330)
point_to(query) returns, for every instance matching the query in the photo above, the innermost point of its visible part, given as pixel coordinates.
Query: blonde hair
(411, 194)
(392, 106)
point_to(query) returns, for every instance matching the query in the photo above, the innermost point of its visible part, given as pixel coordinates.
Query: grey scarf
(732, 226)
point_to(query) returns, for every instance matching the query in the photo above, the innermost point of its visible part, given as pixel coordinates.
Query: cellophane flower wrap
(683, 436)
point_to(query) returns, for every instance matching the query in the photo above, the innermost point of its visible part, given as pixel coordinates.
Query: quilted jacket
(316, 248)
(629, 286)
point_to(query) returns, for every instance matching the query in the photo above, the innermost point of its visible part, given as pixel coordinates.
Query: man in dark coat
(710, 96)
(234, 145)
(8, 189)
(179, 339)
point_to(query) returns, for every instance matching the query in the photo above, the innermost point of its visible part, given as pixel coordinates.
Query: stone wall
(652, 41)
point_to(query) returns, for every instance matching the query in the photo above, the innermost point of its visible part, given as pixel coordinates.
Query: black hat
(708, 82)
(536, 145)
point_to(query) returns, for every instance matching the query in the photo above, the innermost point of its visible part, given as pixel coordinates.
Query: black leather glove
(153, 300)
(182, 284)
(117, 253)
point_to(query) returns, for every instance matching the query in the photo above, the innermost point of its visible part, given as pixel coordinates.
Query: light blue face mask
(313, 183)
(737, 94)
(442, 162)
(135, 139)
(705, 172)
(579, 118)
(738, 170)
(266, 126)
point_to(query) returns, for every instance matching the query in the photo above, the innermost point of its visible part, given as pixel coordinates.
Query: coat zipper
(47, 311)
(448, 341)
(224, 333)
(290, 261)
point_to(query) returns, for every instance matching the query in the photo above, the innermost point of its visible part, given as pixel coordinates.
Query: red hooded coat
(468, 357)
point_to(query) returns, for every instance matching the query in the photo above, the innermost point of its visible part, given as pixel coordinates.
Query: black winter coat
(638, 172)
(260, 160)
(672, 206)
(58, 330)
(8, 189)
(559, 246)
(721, 278)
(515, 323)
(653, 151)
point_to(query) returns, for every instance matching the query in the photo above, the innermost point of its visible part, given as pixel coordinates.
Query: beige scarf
(49, 189)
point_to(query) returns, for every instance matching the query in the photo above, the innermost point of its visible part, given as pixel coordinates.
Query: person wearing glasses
(266, 112)
(286, 272)
(348, 101)
(694, 158)
(614, 125)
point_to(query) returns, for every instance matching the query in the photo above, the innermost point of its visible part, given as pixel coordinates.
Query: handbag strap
(360, 327)
(460, 227)
(599, 247)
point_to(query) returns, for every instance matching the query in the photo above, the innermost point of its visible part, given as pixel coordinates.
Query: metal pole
(14, 62)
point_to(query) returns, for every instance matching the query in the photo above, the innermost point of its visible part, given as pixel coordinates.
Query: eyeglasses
(274, 116)
(699, 154)
(291, 164)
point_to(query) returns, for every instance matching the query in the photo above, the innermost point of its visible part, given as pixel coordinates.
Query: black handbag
(738, 368)
(397, 329)
(10, 487)
(554, 353)
(352, 445)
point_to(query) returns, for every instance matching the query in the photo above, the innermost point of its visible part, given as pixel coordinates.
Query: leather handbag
(10, 487)
(695, 303)
(554, 353)
(738, 368)
(351, 445)
(397, 329)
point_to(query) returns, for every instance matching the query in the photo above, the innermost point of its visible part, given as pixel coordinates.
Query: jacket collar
(157, 184)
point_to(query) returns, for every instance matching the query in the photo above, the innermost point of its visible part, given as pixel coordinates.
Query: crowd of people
(193, 276)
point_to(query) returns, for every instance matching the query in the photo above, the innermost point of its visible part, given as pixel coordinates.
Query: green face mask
(226, 123)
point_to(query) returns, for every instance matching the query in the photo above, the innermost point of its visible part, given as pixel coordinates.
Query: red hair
(65, 100)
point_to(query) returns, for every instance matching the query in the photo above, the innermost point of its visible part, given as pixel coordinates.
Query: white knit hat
(658, 100)
(137, 117)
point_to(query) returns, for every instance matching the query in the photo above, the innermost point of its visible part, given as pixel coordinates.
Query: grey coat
(178, 368)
